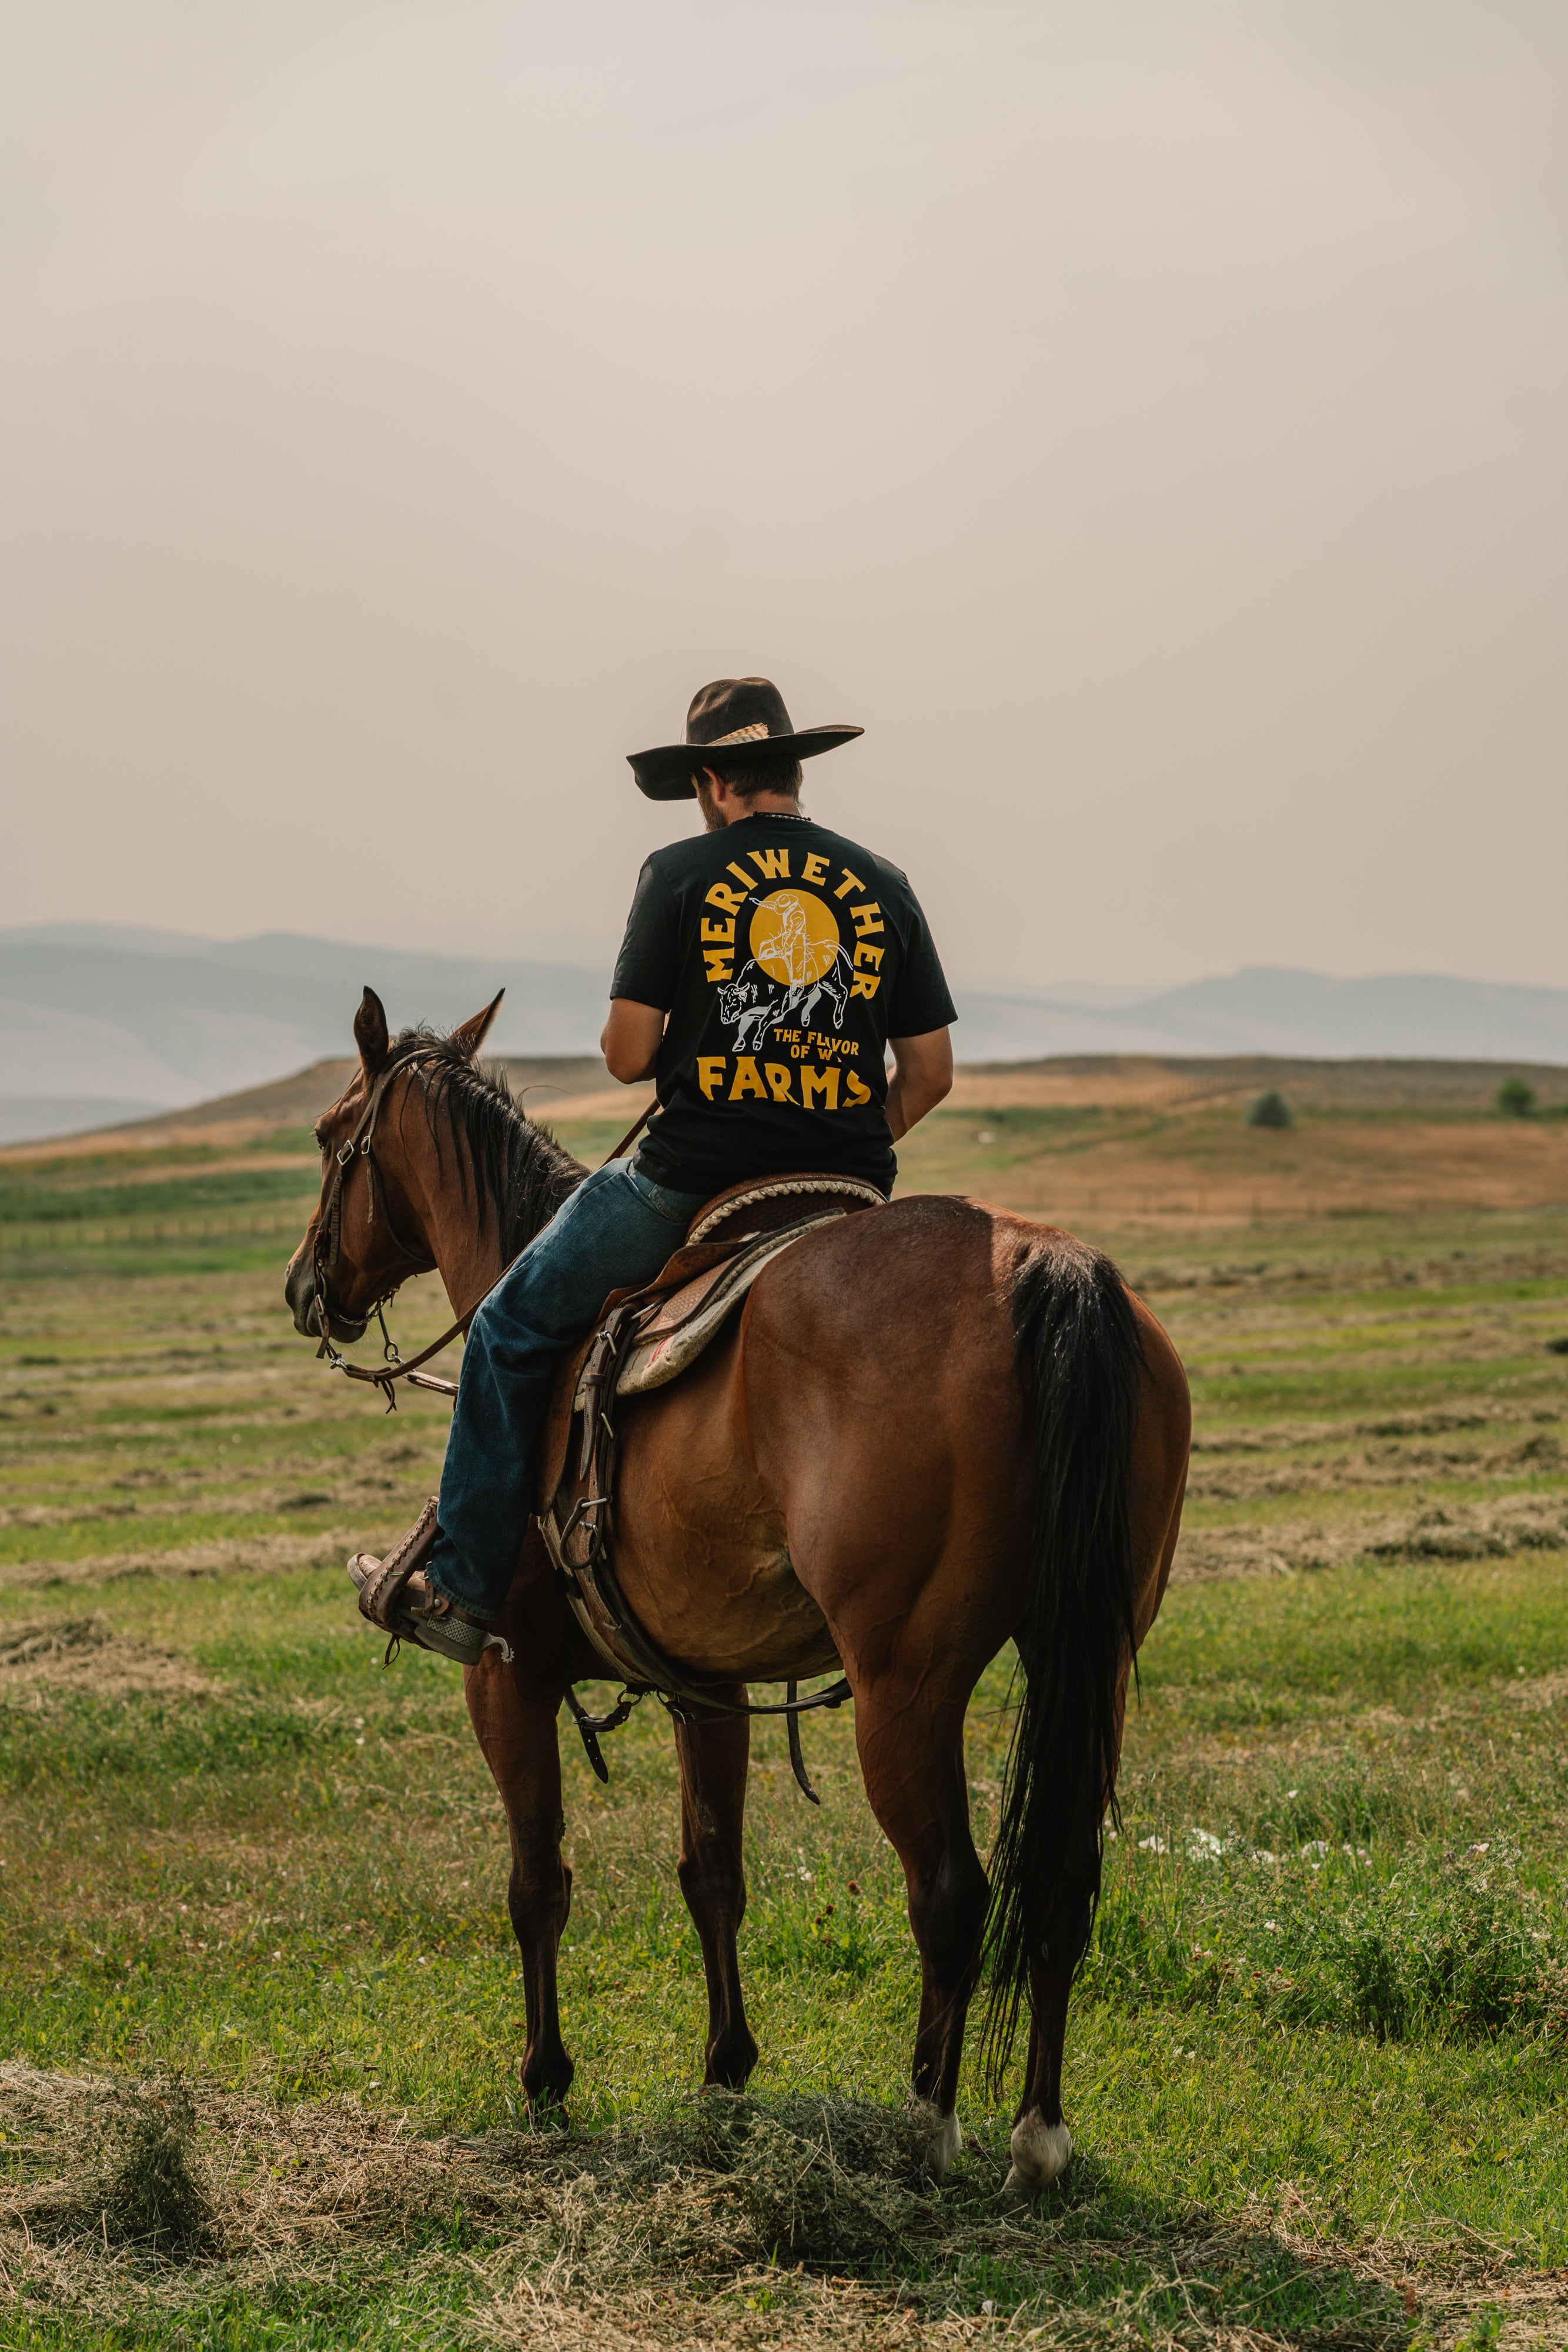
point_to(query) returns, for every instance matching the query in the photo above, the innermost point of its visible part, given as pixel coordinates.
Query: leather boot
(396, 1594)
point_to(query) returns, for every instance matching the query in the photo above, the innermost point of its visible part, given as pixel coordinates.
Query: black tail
(1077, 1352)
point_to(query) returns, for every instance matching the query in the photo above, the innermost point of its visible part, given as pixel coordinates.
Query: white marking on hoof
(943, 2136)
(1040, 2152)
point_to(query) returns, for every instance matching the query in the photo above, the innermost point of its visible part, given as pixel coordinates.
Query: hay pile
(724, 2185)
(86, 1654)
(129, 2179)
(801, 2221)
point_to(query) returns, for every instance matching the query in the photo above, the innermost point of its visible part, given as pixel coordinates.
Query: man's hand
(922, 1075)
(632, 1038)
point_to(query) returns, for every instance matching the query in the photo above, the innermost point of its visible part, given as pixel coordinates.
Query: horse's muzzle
(300, 1291)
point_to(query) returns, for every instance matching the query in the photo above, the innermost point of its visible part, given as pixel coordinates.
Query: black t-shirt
(785, 957)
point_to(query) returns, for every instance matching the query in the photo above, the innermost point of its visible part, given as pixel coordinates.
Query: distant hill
(159, 1020)
(24, 1118)
(550, 1086)
(99, 1023)
(1265, 1010)
(565, 1088)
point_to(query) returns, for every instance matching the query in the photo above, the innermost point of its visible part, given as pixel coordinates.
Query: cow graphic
(754, 1003)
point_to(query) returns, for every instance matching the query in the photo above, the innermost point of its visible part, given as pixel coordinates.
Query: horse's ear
(471, 1035)
(370, 1033)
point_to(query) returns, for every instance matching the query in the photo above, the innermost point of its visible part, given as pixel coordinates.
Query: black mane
(521, 1175)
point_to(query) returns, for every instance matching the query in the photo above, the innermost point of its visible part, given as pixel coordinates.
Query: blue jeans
(617, 1229)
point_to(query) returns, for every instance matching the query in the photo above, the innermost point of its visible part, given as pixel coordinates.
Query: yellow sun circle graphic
(794, 936)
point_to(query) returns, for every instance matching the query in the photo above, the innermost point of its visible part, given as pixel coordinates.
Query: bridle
(360, 1148)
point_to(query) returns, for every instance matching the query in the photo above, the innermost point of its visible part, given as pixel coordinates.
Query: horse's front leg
(513, 1711)
(714, 1755)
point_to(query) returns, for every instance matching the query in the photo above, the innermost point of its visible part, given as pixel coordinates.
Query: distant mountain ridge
(170, 1020)
(1267, 1009)
(98, 1015)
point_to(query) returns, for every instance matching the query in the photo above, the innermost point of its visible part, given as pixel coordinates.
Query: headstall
(360, 1146)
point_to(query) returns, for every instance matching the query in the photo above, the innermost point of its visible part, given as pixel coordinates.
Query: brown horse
(935, 1427)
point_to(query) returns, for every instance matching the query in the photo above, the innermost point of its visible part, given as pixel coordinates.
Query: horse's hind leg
(714, 1755)
(911, 1753)
(1042, 2143)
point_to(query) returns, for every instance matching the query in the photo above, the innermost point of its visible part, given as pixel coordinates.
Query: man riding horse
(934, 1428)
(750, 1087)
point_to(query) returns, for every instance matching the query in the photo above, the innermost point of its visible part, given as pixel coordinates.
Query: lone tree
(1515, 1100)
(1270, 1110)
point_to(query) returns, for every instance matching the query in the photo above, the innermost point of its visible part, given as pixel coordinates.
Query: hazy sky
(1147, 420)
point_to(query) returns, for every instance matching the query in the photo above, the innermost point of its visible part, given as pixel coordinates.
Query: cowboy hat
(741, 719)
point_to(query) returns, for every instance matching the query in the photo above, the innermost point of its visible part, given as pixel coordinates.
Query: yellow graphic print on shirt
(785, 959)
(792, 994)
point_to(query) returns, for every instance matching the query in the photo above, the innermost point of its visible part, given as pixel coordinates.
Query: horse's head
(369, 1230)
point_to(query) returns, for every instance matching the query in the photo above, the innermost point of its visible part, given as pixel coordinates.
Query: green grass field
(258, 1989)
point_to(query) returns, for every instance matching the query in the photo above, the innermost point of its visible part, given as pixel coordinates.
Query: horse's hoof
(544, 2103)
(943, 2136)
(1040, 2153)
(729, 2063)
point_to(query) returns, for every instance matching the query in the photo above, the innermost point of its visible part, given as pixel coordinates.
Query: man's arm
(632, 1038)
(922, 1075)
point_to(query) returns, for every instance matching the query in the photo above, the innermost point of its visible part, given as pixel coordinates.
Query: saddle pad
(685, 1322)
